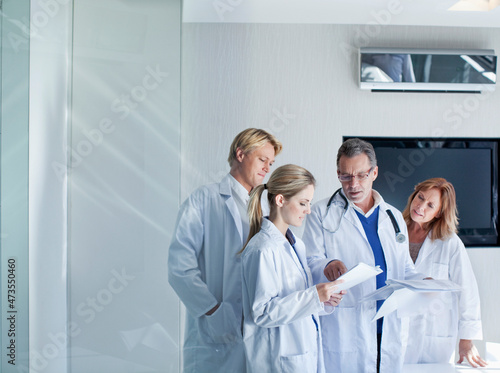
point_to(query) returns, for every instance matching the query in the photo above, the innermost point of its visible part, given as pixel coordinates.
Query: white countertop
(450, 368)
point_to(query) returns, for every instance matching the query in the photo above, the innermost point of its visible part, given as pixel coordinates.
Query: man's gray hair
(353, 147)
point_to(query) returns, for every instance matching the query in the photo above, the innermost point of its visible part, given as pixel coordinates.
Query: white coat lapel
(296, 260)
(385, 228)
(276, 234)
(382, 215)
(353, 219)
(225, 190)
(304, 267)
(425, 251)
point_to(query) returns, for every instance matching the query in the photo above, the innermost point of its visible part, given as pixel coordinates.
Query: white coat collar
(274, 232)
(225, 186)
(225, 190)
(379, 202)
(301, 263)
(337, 211)
(239, 190)
(382, 216)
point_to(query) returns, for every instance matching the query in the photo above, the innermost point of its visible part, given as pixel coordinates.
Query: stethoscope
(400, 237)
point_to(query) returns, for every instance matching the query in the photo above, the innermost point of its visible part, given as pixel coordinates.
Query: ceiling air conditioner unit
(427, 70)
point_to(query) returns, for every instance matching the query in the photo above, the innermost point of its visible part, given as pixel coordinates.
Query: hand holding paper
(357, 275)
(327, 289)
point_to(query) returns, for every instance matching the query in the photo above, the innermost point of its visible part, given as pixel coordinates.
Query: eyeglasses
(362, 176)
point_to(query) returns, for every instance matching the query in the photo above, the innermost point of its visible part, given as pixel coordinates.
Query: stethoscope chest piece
(400, 237)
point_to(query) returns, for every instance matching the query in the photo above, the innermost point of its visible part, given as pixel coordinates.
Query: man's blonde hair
(251, 139)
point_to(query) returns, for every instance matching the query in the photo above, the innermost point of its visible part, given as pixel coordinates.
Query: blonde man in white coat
(203, 264)
(356, 225)
(431, 217)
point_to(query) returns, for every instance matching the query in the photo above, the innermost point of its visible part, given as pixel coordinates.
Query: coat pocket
(440, 271)
(221, 327)
(438, 349)
(306, 362)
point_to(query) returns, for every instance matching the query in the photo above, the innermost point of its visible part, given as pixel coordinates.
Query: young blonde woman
(431, 217)
(203, 266)
(280, 303)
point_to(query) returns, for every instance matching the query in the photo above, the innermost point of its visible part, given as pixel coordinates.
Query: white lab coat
(433, 335)
(204, 269)
(280, 306)
(349, 335)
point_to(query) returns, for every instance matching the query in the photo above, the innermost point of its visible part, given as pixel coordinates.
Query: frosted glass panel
(124, 185)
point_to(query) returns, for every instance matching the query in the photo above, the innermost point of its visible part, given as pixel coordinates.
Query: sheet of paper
(357, 275)
(426, 285)
(396, 300)
(407, 302)
(410, 297)
(379, 294)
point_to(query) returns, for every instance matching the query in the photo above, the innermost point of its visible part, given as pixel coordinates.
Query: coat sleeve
(469, 312)
(262, 284)
(314, 241)
(184, 274)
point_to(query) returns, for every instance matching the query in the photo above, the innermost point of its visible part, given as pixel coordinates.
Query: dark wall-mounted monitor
(471, 165)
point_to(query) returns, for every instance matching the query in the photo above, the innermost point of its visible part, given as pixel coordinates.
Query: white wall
(300, 82)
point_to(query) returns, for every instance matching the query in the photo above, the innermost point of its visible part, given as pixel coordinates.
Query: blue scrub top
(370, 225)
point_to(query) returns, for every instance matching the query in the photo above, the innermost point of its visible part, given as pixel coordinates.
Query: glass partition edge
(14, 119)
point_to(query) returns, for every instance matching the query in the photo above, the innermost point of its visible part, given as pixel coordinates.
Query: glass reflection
(428, 68)
(389, 67)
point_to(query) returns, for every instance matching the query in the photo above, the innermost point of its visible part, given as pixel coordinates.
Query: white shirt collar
(239, 189)
(377, 199)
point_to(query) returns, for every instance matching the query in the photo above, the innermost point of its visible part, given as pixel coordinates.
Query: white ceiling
(381, 12)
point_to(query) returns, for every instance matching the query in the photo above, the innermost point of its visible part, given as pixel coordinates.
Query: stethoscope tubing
(400, 237)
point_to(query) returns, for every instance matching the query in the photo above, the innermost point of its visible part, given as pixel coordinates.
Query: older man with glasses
(356, 225)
